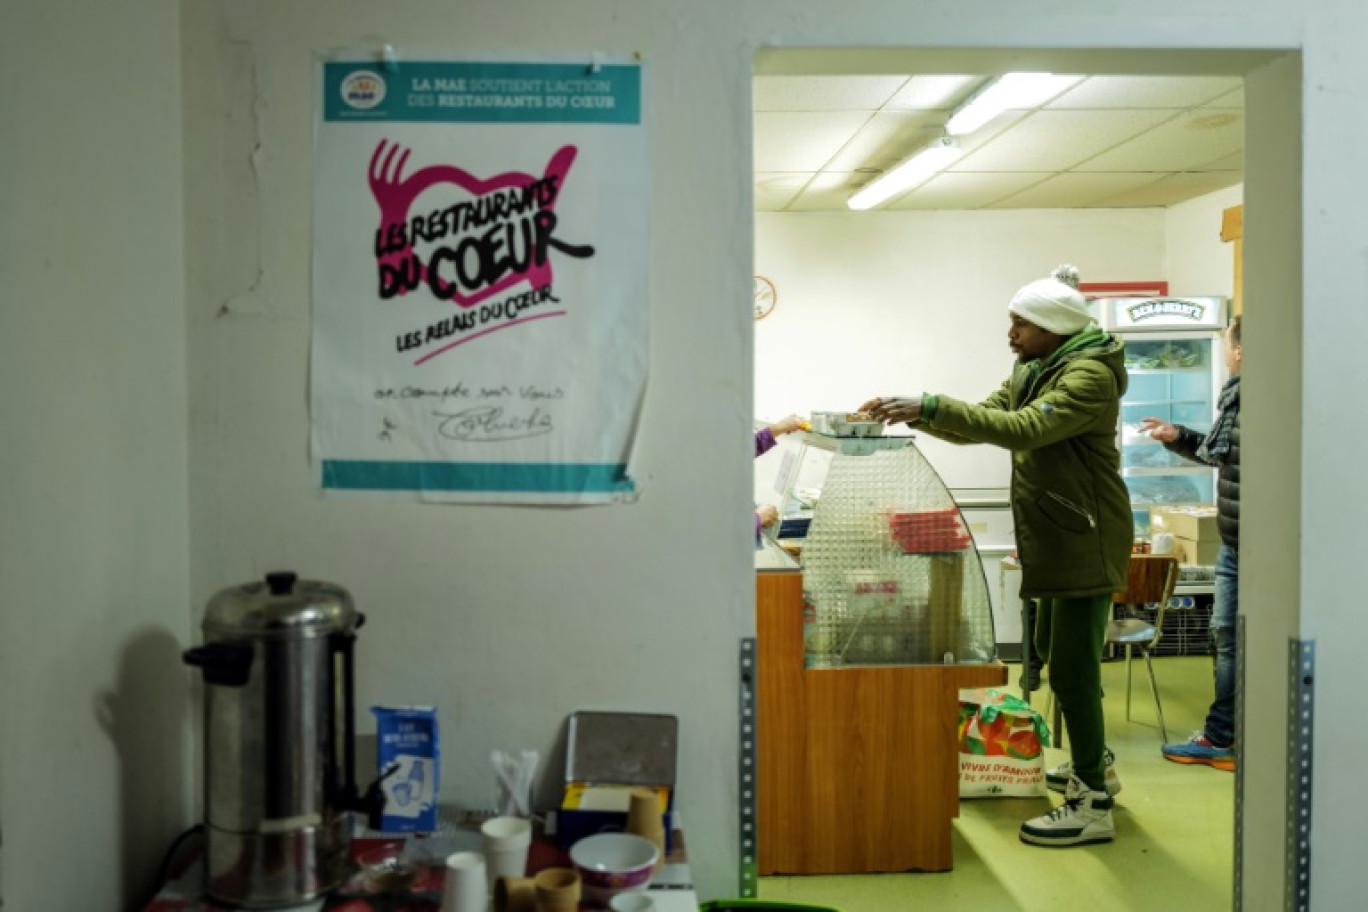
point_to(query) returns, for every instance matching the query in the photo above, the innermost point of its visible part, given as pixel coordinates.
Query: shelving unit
(1161, 471)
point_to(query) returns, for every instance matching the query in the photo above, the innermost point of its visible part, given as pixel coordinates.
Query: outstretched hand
(894, 409)
(788, 425)
(1161, 431)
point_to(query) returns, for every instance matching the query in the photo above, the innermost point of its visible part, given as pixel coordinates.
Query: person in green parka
(1057, 414)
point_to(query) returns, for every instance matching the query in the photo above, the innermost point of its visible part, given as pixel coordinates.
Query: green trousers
(1069, 635)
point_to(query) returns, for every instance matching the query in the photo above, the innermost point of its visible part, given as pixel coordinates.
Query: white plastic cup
(506, 842)
(466, 888)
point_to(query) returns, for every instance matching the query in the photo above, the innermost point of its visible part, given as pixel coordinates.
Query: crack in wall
(239, 248)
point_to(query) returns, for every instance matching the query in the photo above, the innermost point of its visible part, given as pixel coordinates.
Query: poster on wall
(479, 278)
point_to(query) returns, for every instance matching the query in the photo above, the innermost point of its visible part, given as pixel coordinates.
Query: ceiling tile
(1185, 142)
(1074, 190)
(1125, 142)
(1233, 162)
(824, 93)
(888, 138)
(1233, 99)
(1145, 92)
(991, 130)
(828, 192)
(1175, 188)
(966, 191)
(1058, 140)
(939, 93)
(776, 189)
(791, 141)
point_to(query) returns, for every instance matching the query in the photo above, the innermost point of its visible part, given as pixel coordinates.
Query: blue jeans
(1220, 721)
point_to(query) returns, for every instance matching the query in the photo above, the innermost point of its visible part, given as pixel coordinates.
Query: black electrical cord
(171, 853)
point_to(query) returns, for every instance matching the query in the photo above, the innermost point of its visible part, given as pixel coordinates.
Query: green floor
(1174, 827)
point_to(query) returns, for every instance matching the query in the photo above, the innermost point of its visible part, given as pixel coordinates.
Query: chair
(1150, 579)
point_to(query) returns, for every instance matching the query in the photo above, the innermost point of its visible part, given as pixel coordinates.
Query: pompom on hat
(1053, 304)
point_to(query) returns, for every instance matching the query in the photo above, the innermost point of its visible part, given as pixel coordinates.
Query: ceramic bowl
(613, 863)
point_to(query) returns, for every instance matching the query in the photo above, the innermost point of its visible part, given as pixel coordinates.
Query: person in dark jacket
(1214, 745)
(1057, 413)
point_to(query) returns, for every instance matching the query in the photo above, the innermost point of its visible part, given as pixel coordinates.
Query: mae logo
(1166, 308)
(363, 90)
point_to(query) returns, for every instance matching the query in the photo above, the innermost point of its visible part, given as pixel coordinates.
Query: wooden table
(858, 767)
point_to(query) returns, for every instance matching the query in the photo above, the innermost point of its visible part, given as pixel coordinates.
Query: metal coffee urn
(278, 712)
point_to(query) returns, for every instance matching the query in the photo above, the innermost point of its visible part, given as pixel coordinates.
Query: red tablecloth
(185, 891)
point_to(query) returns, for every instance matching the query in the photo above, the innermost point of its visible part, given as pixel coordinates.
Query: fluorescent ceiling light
(907, 175)
(1014, 90)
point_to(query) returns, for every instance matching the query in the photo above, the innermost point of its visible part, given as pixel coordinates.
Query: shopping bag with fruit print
(1000, 745)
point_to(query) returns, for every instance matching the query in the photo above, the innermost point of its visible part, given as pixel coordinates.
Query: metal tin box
(617, 750)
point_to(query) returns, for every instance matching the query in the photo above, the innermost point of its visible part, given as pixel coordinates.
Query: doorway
(1270, 169)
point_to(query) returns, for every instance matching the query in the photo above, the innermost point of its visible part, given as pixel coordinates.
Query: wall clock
(764, 297)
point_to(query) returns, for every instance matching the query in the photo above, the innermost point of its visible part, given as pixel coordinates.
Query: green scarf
(1092, 337)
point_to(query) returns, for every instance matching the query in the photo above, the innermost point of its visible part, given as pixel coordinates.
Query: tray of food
(846, 424)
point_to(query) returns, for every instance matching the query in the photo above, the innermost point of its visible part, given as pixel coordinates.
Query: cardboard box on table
(607, 755)
(1194, 523)
(1202, 553)
(1196, 537)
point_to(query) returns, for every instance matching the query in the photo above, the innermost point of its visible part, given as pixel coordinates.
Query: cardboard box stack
(1195, 537)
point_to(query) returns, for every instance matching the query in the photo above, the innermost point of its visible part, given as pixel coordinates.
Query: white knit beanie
(1053, 304)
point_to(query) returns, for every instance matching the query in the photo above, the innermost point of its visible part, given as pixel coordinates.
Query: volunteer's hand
(769, 515)
(894, 409)
(1161, 431)
(787, 425)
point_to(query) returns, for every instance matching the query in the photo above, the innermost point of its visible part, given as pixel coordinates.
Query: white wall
(1198, 262)
(93, 518)
(905, 303)
(508, 619)
(95, 774)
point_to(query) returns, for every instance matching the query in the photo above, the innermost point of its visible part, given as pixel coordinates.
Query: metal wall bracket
(1237, 890)
(1301, 680)
(747, 773)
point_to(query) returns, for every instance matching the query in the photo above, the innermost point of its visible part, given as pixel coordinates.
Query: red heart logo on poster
(470, 238)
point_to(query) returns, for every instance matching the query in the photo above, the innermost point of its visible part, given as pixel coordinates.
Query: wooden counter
(858, 767)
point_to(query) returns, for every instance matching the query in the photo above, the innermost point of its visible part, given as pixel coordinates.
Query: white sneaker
(1084, 817)
(1057, 779)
